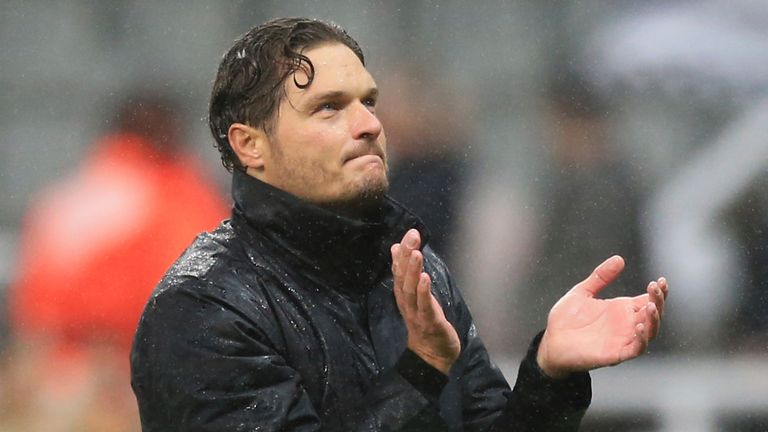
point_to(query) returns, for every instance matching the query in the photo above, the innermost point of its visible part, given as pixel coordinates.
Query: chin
(374, 188)
(361, 198)
(370, 192)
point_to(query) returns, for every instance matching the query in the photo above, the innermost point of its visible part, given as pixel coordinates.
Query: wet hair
(249, 83)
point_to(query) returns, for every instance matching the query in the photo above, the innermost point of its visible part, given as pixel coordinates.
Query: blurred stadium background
(573, 129)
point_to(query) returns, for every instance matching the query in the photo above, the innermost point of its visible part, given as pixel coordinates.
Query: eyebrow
(337, 94)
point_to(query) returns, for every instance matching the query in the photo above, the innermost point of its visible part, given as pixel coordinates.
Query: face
(327, 145)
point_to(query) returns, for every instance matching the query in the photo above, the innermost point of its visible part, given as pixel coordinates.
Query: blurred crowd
(532, 152)
(92, 247)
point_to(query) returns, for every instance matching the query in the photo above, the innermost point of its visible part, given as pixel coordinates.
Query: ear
(251, 145)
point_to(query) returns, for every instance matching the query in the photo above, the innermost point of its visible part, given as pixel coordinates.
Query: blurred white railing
(682, 393)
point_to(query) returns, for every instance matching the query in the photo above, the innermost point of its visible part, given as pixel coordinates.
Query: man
(319, 305)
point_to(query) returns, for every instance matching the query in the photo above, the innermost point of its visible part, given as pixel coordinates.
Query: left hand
(584, 332)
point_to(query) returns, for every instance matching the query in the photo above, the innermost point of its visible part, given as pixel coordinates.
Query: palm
(595, 332)
(584, 332)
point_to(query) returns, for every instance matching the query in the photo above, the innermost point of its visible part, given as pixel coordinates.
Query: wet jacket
(283, 318)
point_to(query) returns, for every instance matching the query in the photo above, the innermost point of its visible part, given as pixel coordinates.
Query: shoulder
(219, 257)
(217, 279)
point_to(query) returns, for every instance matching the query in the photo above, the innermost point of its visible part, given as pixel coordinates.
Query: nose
(365, 124)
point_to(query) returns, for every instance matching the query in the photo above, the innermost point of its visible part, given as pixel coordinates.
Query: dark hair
(249, 83)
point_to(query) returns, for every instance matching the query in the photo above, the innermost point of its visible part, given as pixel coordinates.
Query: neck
(365, 208)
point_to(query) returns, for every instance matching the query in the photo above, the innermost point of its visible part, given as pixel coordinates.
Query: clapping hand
(430, 335)
(584, 332)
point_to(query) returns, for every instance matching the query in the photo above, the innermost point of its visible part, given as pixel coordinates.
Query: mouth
(369, 156)
(365, 161)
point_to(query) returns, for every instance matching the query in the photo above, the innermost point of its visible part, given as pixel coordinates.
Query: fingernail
(410, 239)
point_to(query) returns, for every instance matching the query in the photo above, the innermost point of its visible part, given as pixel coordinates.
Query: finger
(636, 346)
(656, 296)
(641, 338)
(424, 297)
(397, 267)
(394, 252)
(639, 302)
(411, 281)
(601, 277)
(653, 321)
(662, 281)
(411, 241)
(397, 277)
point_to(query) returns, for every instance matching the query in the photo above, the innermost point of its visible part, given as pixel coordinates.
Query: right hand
(430, 335)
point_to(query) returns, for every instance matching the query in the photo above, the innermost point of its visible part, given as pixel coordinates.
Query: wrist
(544, 363)
(421, 375)
(441, 364)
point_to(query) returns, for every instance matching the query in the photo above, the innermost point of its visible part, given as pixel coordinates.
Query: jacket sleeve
(201, 364)
(537, 402)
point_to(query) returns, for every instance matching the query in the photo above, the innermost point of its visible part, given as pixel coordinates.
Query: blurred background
(535, 138)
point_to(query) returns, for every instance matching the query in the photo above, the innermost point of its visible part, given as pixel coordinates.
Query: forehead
(336, 67)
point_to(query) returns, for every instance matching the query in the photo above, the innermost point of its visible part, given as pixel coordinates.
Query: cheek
(331, 132)
(328, 139)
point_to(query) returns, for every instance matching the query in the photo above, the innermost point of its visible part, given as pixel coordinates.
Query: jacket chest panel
(339, 342)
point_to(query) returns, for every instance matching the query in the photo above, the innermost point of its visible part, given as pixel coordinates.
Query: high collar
(349, 254)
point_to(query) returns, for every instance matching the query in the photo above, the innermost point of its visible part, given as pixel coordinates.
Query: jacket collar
(349, 254)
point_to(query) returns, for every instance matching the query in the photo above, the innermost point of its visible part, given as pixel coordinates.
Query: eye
(328, 106)
(370, 103)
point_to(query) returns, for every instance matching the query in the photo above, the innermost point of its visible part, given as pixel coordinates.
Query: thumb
(601, 277)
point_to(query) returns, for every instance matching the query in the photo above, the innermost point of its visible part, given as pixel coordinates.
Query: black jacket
(283, 318)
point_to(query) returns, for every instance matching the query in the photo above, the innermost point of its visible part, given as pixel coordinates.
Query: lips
(365, 151)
